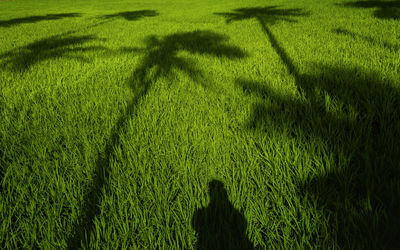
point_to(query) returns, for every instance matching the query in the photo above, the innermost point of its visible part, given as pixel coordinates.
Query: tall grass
(181, 125)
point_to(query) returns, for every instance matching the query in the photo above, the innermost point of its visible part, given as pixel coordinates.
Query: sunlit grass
(176, 124)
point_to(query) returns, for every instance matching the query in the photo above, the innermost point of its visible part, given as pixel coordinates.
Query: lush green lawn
(180, 123)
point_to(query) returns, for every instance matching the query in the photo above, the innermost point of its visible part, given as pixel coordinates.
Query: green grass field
(182, 124)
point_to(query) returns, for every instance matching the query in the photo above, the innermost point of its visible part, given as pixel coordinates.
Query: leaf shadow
(34, 19)
(268, 15)
(383, 9)
(131, 15)
(360, 193)
(64, 45)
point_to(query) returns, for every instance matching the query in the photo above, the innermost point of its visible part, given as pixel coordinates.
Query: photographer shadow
(220, 225)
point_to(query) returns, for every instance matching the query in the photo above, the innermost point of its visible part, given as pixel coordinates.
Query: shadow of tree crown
(34, 19)
(162, 53)
(269, 14)
(132, 15)
(384, 9)
(64, 45)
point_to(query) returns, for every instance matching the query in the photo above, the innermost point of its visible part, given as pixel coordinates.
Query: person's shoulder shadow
(220, 225)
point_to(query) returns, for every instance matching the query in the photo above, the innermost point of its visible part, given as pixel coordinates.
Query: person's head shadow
(220, 225)
(34, 19)
(131, 15)
(383, 9)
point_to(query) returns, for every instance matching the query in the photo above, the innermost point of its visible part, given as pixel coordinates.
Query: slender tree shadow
(368, 39)
(384, 9)
(34, 19)
(267, 16)
(64, 45)
(160, 60)
(132, 15)
(361, 193)
(220, 225)
(264, 15)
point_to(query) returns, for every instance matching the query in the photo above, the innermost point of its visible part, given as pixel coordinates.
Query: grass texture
(199, 124)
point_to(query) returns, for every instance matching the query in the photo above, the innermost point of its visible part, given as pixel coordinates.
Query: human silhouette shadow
(132, 15)
(371, 40)
(360, 194)
(220, 225)
(383, 9)
(34, 19)
(63, 45)
(160, 60)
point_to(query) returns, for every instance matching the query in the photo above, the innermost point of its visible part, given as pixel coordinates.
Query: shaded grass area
(132, 15)
(187, 129)
(360, 193)
(160, 60)
(65, 45)
(383, 9)
(34, 19)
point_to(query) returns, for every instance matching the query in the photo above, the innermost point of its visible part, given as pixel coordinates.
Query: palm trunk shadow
(100, 186)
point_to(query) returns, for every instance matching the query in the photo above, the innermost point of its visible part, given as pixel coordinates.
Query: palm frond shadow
(131, 15)
(64, 45)
(34, 19)
(383, 9)
(362, 141)
(360, 194)
(220, 225)
(160, 60)
(268, 15)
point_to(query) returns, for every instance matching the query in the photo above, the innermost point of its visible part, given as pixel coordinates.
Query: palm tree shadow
(362, 141)
(160, 60)
(64, 45)
(360, 193)
(267, 16)
(220, 225)
(132, 15)
(264, 15)
(383, 9)
(34, 19)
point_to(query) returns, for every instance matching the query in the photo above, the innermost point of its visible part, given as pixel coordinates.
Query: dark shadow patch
(220, 225)
(34, 19)
(383, 9)
(360, 195)
(160, 60)
(132, 15)
(66, 46)
(371, 40)
(264, 15)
